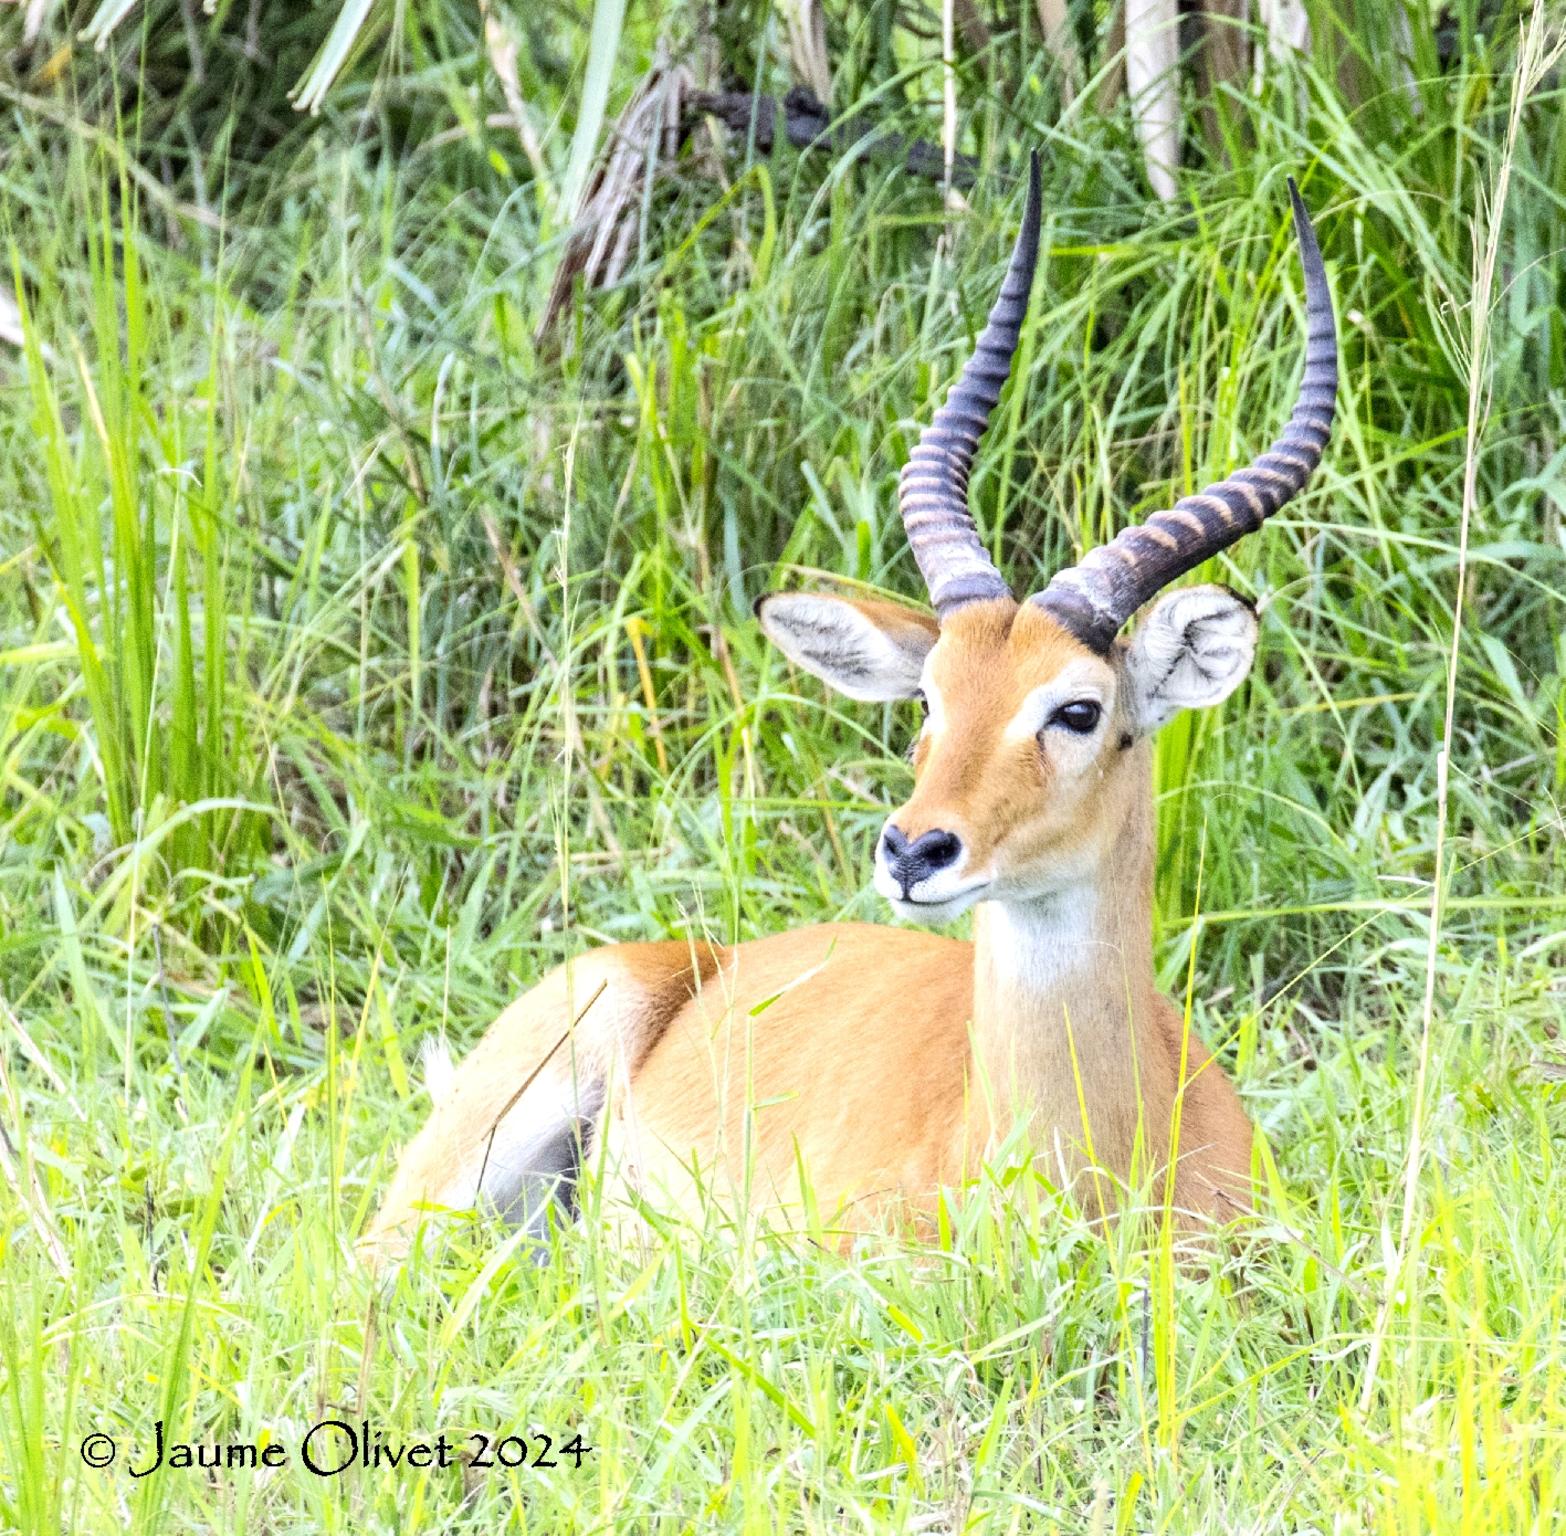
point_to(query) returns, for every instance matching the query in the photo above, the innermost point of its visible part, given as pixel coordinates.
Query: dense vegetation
(375, 631)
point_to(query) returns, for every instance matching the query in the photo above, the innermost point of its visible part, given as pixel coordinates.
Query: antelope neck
(1063, 1005)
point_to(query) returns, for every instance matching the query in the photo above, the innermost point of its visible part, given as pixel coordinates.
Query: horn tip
(1304, 230)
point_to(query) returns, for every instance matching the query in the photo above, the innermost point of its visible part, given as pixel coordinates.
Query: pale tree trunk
(1153, 84)
(1056, 25)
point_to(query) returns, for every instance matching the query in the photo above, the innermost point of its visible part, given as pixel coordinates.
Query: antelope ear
(1192, 650)
(867, 650)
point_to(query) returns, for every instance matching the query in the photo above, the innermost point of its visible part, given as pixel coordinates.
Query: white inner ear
(874, 658)
(1191, 651)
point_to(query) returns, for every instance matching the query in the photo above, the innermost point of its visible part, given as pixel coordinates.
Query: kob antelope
(882, 1061)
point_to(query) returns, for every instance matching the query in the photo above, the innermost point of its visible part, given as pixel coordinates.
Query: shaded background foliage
(383, 492)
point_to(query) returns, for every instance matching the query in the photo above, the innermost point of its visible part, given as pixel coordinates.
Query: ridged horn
(933, 491)
(1094, 598)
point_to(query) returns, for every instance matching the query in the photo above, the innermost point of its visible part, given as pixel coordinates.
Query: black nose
(926, 855)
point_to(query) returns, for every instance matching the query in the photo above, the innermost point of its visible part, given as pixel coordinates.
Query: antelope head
(1025, 768)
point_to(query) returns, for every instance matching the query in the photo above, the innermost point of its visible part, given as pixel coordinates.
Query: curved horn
(933, 491)
(1093, 599)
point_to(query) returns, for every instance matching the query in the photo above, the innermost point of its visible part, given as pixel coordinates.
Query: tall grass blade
(603, 47)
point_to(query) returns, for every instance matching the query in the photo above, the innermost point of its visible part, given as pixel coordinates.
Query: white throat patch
(1034, 944)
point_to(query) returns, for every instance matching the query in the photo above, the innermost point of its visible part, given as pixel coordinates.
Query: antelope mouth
(941, 909)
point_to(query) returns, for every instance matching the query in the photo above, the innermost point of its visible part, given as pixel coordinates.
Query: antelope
(864, 1067)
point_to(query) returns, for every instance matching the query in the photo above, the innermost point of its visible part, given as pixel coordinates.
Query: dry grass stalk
(646, 133)
(1287, 25)
(954, 202)
(33, 18)
(500, 43)
(807, 46)
(1056, 25)
(1113, 82)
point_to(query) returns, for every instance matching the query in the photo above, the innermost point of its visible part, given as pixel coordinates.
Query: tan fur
(884, 1061)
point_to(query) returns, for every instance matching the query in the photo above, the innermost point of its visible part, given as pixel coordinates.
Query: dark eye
(924, 706)
(1079, 716)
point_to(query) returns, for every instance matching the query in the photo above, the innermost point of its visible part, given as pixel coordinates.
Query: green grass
(359, 659)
